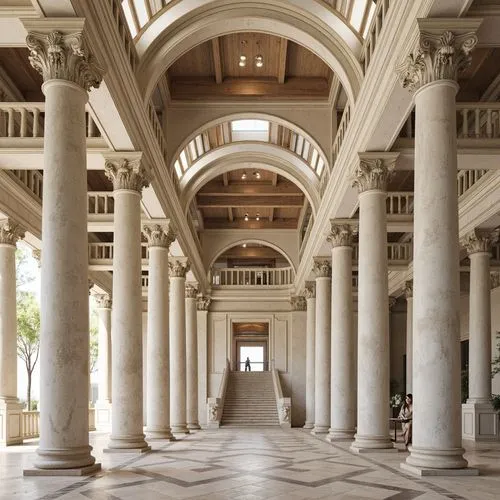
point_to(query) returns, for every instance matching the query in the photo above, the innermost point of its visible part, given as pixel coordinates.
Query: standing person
(406, 415)
(247, 365)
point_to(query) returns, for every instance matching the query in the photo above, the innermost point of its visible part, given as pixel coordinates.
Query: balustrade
(253, 276)
(30, 179)
(395, 252)
(341, 132)
(400, 203)
(100, 203)
(105, 251)
(467, 178)
(374, 32)
(124, 32)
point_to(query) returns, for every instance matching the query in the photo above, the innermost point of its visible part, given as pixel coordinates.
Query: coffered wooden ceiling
(251, 255)
(269, 202)
(212, 70)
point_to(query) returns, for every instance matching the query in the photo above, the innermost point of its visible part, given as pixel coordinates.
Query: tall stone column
(191, 359)
(409, 335)
(323, 273)
(103, 403)
(10, 408)
(479, 420)
(129, 178)
(343, 378)
(443, 50)
(310, 295)
(202, 305)
(371, 177)
(178, 271)
(69, 72)
(158, 364)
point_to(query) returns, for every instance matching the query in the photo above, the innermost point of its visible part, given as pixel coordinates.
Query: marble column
(371, 177)
(479, 420)
(343, 378)
(444, 48)
(158, 364)
(178, 420)
(191, 359)
(408, 288)
(129, 178)
(103, 403)
(202, 305)
(323, 273)
(310, 295)
(10, 408)
(69, 72)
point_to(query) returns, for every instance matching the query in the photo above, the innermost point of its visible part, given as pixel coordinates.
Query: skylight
(250, 126)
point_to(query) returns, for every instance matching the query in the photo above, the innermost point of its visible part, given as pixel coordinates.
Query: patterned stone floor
(247, 464)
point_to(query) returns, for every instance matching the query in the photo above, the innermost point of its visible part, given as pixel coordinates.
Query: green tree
(28, 334)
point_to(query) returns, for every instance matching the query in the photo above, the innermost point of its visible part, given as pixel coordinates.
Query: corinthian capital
(203, 303)
(298, 303)
(479, 241)
(159, 235)
(309, 291)
(341, 235)
(495, 280)
(178, 268)
(191, 292)
(126, 173)
(443, 51)
(103, 301)
(58, 56)
(374, 171)
(322, 269)
(10, 232)
(408, 289)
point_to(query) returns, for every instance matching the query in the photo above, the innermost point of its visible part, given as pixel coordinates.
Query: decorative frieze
(57, 56)
(191, 292)
(178, 268)
(439, 56)
(10, 232)
(341, 235)
(103, 301)
(309, 292)
(126, 174)
(479, 241)
(373, 173)
(158, 235)
(298, 303)
(203, 303)
(408, 289)
(322, 269)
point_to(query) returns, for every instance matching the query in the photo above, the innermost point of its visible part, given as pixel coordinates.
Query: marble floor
(247, 464)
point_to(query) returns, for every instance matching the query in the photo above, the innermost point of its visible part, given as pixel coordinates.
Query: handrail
(284, 405)
(215, 406)
(253, 276)
(374, 30)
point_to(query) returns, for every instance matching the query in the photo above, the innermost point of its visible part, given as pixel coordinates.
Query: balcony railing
(124, 32)
(467, 178)
(104, 251)
(396, 252)
(100, 203)
(253, 277)
(341, 132)
(32, 180)
(374, 32)
(399, 203)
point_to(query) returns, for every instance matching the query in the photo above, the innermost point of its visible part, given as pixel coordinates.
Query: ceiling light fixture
(244, 245)
(246, 217)
(243, 61)
(256, 174)
(257, 217)
(243, 176)
(259, 61)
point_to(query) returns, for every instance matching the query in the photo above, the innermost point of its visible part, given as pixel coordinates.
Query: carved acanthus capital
(158, 235)
(203, 303)
(58, 56)
(36, 253)
(191, 292)
(479, 241)
(341, 235)
(126, 174)
(439, 56)
(10, 232)
(322, 269)
(309, 292)
(408, 289)
(373, 173)
(103, 301)
(178, 268)
(298, 303)
(495, 280)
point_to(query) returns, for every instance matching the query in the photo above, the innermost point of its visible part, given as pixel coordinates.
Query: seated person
(406, 415)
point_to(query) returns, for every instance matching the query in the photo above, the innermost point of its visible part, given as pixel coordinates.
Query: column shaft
(310, 357)
(104, 354)
(409, 336)
(191, 364)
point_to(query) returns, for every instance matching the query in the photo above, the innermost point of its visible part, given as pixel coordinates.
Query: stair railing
(215, 406)
(284, 405)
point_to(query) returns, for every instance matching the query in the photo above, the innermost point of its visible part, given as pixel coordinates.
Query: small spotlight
(243, 176)
(259, 61)
(243, 61)
(246, 217)
(244, 245)
(257, 217)
(256, 174)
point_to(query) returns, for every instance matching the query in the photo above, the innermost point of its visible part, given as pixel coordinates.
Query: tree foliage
(24, 276)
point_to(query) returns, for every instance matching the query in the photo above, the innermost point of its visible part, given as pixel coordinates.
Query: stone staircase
(250, 400)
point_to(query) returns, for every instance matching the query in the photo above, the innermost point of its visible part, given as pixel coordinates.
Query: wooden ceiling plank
(282, 61)
(216, 54)
(230, 214)
(242, 224)
(246, 189)
(271, 214)
(257, 201)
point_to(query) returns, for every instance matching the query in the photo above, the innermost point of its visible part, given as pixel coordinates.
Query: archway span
(182, 26)
(280, 132)
(259, 155)
(258, 241)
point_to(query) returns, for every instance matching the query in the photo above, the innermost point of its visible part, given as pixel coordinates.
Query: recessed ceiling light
(244, 245)
(256, 174)
(257, 217)
(259, 61)
(246, 217)
(243, 61)
(243, 175)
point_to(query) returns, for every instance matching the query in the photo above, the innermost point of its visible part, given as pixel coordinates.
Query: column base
(372, 444)
(308, 425)
(340, 435)
(103, 415)
(193, 427)
(11, 422)
(432, 458)
(179, 429)
(80, 471)
(422, 471)
(320, 429)
(160, 434)
(56, 459)
(479, 422)
(125, 444)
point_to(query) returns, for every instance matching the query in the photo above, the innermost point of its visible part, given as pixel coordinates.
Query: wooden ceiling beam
(282, 61)
(242, 224)
(274, 179)
(261, 252)
(271, 214)
(230, 214)
(245, 189)
(225, 179)
(257, 201)
(216, 54)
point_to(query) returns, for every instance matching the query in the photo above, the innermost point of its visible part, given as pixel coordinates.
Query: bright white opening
(250, 125)
(142, 13)
(129, 18)
(256, 356)
(358, 10)
(369, 20)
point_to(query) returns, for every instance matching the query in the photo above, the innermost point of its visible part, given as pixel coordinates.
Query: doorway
(251, 340)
